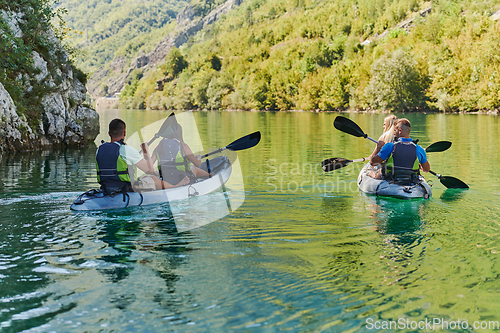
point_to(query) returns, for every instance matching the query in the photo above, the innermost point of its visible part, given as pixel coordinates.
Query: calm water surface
(305, 252)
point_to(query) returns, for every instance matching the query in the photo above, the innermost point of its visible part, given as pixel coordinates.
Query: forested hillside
(328, 55)
(119, 30)
(307, 54)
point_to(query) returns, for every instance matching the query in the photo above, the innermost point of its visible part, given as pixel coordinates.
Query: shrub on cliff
(175, 63)
(25, 26)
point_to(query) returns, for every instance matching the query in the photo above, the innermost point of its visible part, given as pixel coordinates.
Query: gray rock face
(187, 25)
(186, 15)
(14, 130)
(63, 118)
(13, 20)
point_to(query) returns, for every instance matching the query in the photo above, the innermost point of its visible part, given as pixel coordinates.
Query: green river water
(305, 252)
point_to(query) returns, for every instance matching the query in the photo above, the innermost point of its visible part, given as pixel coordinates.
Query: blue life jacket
(112, 170)
(403, 164)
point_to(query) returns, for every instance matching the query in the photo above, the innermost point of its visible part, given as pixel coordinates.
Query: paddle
(248, 141)
(169, 126)
(350, 127)
(450, 182)
(438, 146)
(335, 163)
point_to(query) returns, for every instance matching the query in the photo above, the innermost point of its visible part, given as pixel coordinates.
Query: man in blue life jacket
(404, 159)
(116, 163)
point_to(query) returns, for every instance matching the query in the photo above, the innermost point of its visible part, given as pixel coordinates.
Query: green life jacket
(170, 158)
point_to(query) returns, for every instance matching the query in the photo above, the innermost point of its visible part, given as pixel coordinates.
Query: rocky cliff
(60, 116)
(187, 25)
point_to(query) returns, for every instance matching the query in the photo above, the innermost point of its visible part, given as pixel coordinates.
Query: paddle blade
(248, 141)
(169, 126)
(348, 126)
(334, 163)
(438, 146)
(452, 182)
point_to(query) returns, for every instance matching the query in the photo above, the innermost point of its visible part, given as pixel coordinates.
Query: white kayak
(97, 200)
(384, 188)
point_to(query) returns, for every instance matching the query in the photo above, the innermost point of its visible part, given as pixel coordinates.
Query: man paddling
(404, 157)
(116, 164)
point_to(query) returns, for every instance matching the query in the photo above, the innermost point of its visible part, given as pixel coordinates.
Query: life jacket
(403, 165)
(172, 165)
(112, 170)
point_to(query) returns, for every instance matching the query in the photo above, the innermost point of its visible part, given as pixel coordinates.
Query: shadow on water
(399, 217)
(452, 194)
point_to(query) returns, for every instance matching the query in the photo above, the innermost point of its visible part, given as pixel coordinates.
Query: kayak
(98, 200)
(385, 188)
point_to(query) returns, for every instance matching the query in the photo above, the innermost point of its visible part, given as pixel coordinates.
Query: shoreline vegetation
(113, 103)
(397, 56)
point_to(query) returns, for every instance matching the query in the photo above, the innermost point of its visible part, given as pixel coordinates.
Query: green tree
(395, 83)
(175, 63)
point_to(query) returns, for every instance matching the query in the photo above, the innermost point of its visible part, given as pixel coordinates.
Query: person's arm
(190, 156)
(384, 154)
(153, 158)
(375, 160)
(145, 164)
(426, 167)
(379, 146)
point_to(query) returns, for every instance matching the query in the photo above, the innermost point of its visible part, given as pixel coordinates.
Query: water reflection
(399, 217)
(130, 230)
(48, 170)
(401, 224)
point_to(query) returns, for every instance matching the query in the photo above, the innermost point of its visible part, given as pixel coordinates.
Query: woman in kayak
(173, 156)
(116, 163)
(387, 136)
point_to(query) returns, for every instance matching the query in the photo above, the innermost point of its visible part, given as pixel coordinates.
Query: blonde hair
(389, 123)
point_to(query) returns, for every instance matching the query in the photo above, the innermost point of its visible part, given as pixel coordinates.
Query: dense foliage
(303, 54)
(17, 71)
(103, 30)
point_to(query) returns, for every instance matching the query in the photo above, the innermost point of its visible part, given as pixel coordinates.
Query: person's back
(403, 164)
(174, 157)
(172, 164)
(112, 169)
(404, 157)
